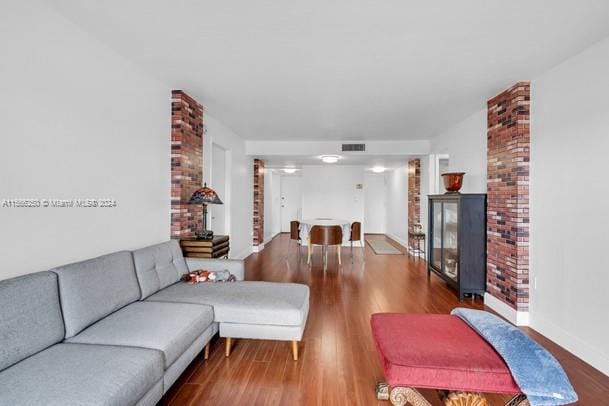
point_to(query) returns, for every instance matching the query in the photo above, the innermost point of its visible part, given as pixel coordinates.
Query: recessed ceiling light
(289, 170)
(378, 169)
(330, 159)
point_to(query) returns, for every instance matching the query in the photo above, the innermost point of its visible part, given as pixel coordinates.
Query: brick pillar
(258, 202)
(186, 164)
(414, 196)
(508, 142)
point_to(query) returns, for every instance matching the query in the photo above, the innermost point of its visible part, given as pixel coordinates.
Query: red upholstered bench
(440, 352)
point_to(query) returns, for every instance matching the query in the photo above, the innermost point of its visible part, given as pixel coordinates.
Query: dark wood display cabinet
(457, 241)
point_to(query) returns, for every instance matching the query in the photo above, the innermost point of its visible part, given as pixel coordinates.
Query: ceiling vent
(354, 148)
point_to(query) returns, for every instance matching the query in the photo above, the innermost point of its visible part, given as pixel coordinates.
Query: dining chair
(356, 234)
(325, 236)
(295, 235)
(295, 231)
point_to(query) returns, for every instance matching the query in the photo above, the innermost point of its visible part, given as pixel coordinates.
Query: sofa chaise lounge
(121, 328)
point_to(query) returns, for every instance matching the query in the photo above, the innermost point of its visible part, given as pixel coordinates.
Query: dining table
(307, 224)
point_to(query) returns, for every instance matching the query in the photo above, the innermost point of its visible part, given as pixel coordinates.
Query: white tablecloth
(306, 225)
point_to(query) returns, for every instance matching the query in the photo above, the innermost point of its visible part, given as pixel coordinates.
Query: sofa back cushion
(159, 266)
(92, 289)
(30, 316)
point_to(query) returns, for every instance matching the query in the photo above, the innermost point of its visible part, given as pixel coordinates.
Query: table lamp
(205, 196)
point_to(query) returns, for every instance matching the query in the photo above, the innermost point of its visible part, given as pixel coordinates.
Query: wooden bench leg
(382, 391)
(518, 400)
(402, 395)
(463, 398)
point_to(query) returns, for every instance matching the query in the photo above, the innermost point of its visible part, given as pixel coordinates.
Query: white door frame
(226, 198)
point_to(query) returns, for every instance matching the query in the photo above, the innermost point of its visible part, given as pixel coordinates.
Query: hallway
(339, 364)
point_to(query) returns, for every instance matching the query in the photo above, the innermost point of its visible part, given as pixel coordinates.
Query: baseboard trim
(397, 239)
(269, 238)
(243, 254)
(568, 341)
(512, 315)
(257, 248)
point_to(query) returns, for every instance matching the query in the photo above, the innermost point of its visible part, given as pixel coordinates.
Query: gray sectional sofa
(121, 328)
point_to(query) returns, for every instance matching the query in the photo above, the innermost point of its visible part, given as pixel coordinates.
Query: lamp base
(205, 235)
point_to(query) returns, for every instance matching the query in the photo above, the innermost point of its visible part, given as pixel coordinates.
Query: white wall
(465, 143)
(375, 212)
(240, 177)
(77, 121)
(569, 194)
(396, 193)
(330, 191)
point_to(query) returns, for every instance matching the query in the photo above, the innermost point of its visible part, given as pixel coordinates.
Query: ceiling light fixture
(378, 169)
(289, 170)
(330, 159)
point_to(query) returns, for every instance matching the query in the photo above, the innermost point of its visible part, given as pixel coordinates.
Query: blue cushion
(30, 316)
(92, 289)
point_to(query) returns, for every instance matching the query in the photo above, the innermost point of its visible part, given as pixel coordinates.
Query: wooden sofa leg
(402, 395)
(206, 352)
(295, 350)
(228, 346)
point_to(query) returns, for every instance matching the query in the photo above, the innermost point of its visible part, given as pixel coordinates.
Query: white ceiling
(342, 69)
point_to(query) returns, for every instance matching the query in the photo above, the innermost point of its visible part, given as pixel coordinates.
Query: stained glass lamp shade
(205, 196)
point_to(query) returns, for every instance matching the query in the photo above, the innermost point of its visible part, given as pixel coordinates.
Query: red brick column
(508, 144)
(414, 196)
(258, 202)
(186, 163)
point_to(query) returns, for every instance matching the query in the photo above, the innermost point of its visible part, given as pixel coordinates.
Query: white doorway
(276, 196)
(291, 200)
(374, 203)
(218, 183)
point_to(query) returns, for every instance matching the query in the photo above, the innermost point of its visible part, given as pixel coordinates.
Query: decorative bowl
(453, 181)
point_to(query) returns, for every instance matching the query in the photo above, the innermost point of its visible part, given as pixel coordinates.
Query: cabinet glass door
(436, 243)
(450, 240)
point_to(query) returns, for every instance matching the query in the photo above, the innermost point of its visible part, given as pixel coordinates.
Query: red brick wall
(186, 164)
(414, 196)
(508, 142)
(258, 202)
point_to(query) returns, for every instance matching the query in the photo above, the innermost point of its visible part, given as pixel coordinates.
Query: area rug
(381, 246)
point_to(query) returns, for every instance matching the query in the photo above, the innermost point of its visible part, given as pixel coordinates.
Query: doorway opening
(291, 200)
(442, 166)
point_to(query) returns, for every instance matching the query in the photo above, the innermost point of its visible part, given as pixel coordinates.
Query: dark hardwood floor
(338, 363)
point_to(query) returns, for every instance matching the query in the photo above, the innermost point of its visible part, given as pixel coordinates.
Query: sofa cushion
(30, 316)
(159, 266)
(92, 289)
(73, 374)
(283, 304)
(168, 327)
